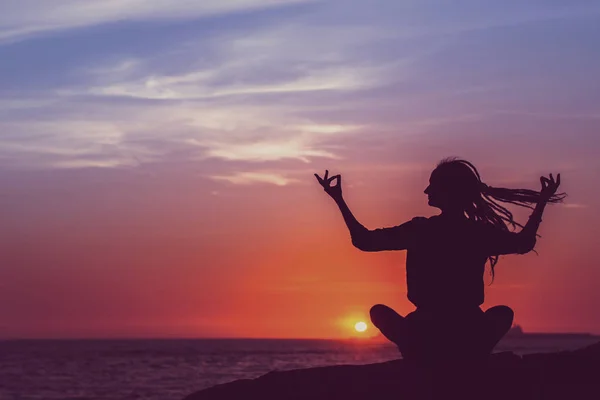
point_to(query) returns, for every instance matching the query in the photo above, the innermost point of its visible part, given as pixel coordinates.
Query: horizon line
(350, 338)
(2, 339)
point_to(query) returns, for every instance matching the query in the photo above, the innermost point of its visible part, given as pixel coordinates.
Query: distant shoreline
(520, 335)
(539, 335)
(517, 332)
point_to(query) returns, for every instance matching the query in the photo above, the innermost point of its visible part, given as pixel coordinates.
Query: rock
(569, 375)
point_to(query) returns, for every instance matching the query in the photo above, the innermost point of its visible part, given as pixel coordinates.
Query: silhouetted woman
(446, 259)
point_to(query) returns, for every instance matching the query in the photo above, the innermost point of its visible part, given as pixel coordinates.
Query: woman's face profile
(437, 193)
(444, 190)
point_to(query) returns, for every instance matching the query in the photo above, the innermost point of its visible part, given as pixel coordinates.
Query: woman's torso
(445, 264)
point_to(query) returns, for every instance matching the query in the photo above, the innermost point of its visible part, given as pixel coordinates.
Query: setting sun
(360, 326)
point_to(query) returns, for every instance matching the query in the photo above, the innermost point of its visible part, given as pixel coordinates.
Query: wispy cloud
(273, 150)
(88, 163)
(22, 18)
(197, 85)
(574, 205)
(230, 108)
(248, 178)
(274, 60)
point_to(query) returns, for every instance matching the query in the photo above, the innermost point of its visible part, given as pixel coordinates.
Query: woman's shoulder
(414, 223)
(421, 224)
(486, 229)
(480, 226)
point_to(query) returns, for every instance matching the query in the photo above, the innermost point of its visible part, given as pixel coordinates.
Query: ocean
(172, 369)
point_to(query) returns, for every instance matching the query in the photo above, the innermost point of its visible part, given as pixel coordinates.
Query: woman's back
(446, 262)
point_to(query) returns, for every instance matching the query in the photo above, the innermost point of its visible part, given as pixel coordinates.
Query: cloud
(267, 151)
(300, 142)
(243, 104)
(574, 205)
(88, 163)
(71, 143)
(197, 86)
(248, 178)
(22, 18)
(275, 60)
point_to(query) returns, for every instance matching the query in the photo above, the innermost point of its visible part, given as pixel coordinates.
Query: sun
(360, 326)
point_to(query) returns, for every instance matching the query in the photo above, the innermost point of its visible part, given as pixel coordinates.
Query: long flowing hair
(483, 201)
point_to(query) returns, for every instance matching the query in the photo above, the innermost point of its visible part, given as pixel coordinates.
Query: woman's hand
(549, 187)
(334, 191)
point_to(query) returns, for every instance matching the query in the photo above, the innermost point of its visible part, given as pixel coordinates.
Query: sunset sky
(157, 158)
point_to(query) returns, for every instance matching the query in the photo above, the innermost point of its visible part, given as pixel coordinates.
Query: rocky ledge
(569, 375)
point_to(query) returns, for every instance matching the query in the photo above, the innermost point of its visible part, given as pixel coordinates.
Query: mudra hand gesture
(334, 191)
(549, 187)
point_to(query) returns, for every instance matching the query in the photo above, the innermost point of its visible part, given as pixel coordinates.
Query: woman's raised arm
(503, 242)
(393, 238)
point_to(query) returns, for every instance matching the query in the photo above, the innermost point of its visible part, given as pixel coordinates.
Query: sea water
(173, 369)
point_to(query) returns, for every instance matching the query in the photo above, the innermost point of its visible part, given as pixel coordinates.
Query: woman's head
(454, 185)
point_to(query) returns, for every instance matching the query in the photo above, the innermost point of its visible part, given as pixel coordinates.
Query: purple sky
(151, 152)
